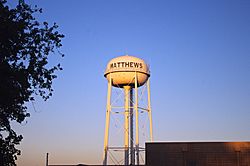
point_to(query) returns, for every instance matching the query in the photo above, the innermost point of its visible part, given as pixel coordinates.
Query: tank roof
(127, 63)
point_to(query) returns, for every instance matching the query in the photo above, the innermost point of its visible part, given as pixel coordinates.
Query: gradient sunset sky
(199, 57)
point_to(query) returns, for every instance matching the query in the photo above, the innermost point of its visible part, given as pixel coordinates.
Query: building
(198, 153)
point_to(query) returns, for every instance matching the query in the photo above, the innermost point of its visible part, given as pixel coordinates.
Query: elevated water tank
(123, 69)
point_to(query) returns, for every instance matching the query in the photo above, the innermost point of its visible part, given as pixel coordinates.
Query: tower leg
(132, 152)
(149, 111)
(136, 122)
(126, 125)
(106, 137)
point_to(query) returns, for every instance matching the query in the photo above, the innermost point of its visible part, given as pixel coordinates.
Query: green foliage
(25, 45)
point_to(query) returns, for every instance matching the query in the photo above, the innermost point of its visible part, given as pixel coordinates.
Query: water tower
(128, 73)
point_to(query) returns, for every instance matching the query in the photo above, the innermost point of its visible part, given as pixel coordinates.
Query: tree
(25, 46)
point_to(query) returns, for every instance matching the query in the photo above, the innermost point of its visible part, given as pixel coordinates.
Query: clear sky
(199, 56)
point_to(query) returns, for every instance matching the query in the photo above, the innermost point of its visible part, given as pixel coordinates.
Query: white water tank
(122, 71)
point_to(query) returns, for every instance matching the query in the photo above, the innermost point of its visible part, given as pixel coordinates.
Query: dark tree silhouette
(25, 45)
